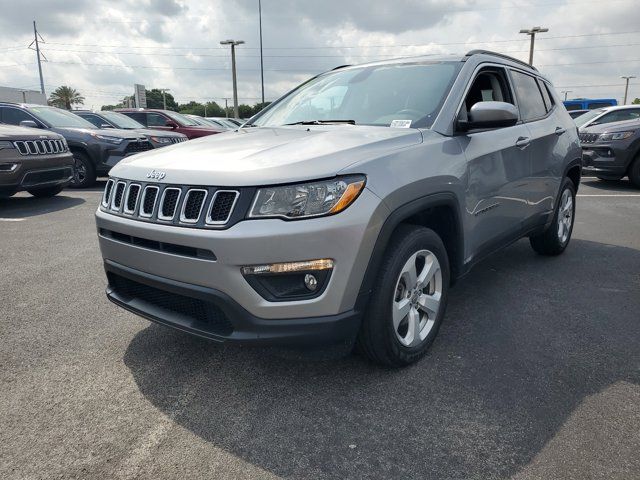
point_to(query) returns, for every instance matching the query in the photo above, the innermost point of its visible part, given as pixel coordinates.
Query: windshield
(181, 119)
(59, 118)
(370, 95)
(121, 121)
(586, 117)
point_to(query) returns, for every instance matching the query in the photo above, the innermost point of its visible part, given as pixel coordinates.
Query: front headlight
(5, 144)
(161, 140)
(107, 138)
(607, 137)
(305, 200)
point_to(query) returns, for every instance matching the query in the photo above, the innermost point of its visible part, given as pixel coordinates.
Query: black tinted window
(97, 121)
(548, 99)
(156, 120)
(620, 115)
(137, 116)
(530, 100)
(14, 116)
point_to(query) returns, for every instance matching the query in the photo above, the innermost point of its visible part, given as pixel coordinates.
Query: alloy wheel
(565, 216)
(417, 298)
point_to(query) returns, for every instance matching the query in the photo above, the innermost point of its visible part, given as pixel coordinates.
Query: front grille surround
(40, 147)
(118, 195)
(108, 190)
(133, 193)
(209, 220)
(164, 200)
(188, 206)
(184, 217)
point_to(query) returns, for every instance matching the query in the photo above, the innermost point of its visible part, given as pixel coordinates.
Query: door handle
(523, 142)
(560, 130)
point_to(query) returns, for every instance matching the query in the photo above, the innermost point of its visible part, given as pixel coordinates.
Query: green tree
(636, 101)
(65, 97)
(260, 106)
(154, 100)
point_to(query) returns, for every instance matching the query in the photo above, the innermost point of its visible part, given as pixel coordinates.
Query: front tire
(409, 298)
(555, 239)
(46, 192)
(84, 172)
(634, 172)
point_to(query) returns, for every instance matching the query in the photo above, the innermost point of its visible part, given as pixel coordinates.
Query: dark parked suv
(343, 212)
(168, 120)
(94, 151)
(106, 119)
(36, 161)
(612, 150)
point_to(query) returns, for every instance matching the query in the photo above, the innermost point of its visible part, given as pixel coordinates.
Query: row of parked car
(43, 148)
(75, 147)
(610, 139)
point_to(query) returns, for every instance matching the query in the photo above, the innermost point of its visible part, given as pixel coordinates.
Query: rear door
(547, 128)
(498, 167)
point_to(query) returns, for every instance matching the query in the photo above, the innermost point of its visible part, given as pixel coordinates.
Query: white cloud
(102, 47)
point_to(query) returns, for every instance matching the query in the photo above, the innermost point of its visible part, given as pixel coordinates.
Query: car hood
(613, 127)
(13, 132)
(262, 156)
(107, 132)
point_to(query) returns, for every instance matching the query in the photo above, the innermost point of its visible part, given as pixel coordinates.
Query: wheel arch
(439, 212)
(573, 170)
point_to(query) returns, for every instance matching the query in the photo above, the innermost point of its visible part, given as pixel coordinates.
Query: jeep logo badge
(156, 175)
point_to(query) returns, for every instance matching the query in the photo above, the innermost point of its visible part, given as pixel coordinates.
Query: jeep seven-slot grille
(589, 137)
(40, 147)
(179, 205)
(135, 147)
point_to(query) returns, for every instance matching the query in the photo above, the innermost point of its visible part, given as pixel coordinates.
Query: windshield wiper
(322, 122)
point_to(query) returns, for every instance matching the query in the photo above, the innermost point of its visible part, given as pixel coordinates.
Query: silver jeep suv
(342, 213)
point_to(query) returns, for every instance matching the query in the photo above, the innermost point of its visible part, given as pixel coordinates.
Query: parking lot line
(11, 219)
(609, 195)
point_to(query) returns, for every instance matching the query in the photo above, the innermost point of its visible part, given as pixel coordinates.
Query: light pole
(164, 97)
(233, 44)
(532, 33)
(565, 93)
(261, 60)
(626, 87)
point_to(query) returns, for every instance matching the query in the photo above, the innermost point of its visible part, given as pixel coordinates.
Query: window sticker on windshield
(400, 124)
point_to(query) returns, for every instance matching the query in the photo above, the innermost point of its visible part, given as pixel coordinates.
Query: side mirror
(105, 125)
(28, 123)
(490, 115)
(171, 124)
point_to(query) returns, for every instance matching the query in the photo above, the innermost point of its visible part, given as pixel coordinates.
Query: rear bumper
(210, 313)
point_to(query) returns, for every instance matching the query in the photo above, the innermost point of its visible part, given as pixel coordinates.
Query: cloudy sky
(103, 47)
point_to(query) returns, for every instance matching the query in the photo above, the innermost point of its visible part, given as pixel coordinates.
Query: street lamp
(565, 93)
(164, 97)
(532, 33)
(233, 44)
(626, 87)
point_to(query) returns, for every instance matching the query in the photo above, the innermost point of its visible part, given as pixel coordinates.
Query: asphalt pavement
(535, 373)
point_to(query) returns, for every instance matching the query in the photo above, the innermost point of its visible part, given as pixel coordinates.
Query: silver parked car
(343, 212)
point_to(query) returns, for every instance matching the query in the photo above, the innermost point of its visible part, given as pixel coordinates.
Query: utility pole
(565, 93)
(164, 97)
(532, 33)
(226, 107)
(261, 58)
(233, 44)
(626, 87)
(35, 43)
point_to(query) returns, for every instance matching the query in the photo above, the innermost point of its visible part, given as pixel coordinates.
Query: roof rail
(501, 55)
(339, 67)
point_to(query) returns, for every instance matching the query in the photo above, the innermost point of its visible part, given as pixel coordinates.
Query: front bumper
(212, 314)
(604, 160)
(212, 260)
(36, 172)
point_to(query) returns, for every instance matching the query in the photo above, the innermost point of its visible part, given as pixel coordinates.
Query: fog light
(310, 282)
(279, 282)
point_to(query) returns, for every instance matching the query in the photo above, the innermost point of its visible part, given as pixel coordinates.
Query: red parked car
(158, 119)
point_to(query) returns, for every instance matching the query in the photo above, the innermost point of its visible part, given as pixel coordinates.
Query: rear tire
(84, 172)
(555, 239)
(46, 192)
(409, 298)
(634, 172)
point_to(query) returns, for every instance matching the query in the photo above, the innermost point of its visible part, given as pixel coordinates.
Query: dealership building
(21, 95)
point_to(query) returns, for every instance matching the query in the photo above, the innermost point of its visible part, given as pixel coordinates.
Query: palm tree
(64, 97)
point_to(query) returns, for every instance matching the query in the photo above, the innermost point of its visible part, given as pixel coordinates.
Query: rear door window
(548, 99)
(530, 101)
(156, 120)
